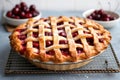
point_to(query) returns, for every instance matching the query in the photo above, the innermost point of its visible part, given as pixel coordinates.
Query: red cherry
(23, 43)
(35, 34)
(74, 34)
(65, 51)
(62, 34)
(13, 16)
(17, 6)
(28, 15)
(101, 11)
(48, 34)
(100, 15)
(9, 14)
(48, 43)
(23, 4)
(79, 50)
(23, 50)
(21, 11)
(112, 18)
(24, 8)
(27, 10)
(108, 15)
(105, 19)
(97, 17)
(89, 17)
(32, 8)
(51, 52)
(22, 14)
(15, 10)
(17, 17)
(63, 42)
(22, 37)
(96, 11)
(34, 13)
(90, 41)
(36, 44)
(78, 41)
(93, 14)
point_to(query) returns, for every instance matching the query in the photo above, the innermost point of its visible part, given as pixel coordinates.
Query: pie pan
(65, 65)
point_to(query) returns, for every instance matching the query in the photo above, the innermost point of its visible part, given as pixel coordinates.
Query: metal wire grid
(107, 62)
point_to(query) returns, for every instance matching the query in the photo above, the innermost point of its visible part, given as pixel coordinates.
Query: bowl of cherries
(106, 18)
(20, 13)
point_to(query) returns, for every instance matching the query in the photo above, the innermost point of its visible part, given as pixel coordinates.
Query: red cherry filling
(65, 51)
(36, 44)
(60, 28)
(24, 44)
(72, 23)
(48, 34)
(22, 36)
(23, 50)
(51, 52)
(49, 43)
(90, 41)
(80, 23)
(74, 34)
(101, 40)
(35, 34)
(36, 27)
(99, 34)
(60, 23)
(78, 41)
(62, 34)
(63, 42)
(86, 32)
(79, 50)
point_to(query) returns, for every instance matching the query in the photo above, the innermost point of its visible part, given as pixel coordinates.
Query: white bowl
(106, 24)
(16, 22)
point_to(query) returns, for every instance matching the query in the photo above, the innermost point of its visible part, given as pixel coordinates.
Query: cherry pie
(59, 40)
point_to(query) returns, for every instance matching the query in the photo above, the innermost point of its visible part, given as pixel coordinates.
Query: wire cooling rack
(107, 62)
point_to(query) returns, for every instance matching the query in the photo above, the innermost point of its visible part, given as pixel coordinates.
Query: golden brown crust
(95, 30)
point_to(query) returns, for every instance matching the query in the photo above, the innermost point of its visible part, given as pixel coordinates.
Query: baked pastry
(54, 41)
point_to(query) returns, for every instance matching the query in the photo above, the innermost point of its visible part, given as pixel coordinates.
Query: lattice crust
(60, 39)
